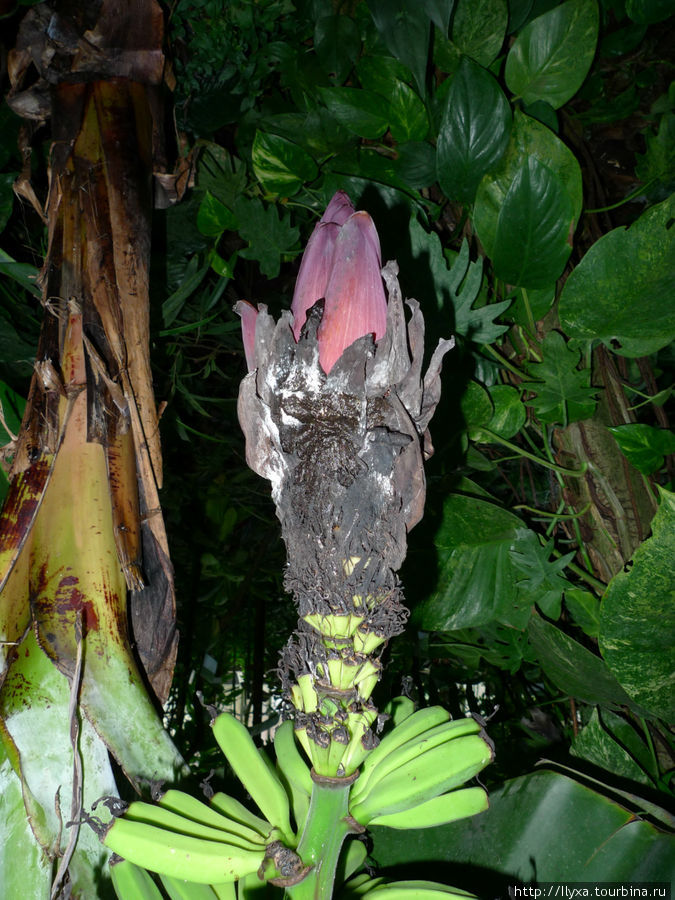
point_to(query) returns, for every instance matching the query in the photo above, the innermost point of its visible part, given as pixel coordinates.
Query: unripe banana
(235, 810)
(191, 808)
(179, 855)
(437, 811)
(293, 770)
(433, 773)
(415, 890)
(226, 890)
(155, 814)
(131, 882)
(177, 889)
(410, 728)
(414, 748)
(251, 769)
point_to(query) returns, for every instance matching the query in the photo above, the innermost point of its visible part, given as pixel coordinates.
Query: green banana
(414, 748)
(177, 889)
(155, 814)
(415, 890)
(180, 855)
(233, 809)
(131, 882)
(437, 811)
(293, 770)
(191, 808)
(410, 728)
(251, 769)
(225, 890)
(434, 772)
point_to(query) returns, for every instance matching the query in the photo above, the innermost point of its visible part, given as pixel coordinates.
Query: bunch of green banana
(408, 780)
(131, 882)
(196, 847)
(170, 842)
(363, 886)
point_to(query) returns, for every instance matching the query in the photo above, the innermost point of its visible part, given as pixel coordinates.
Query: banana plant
(81, 530)
(335, 411)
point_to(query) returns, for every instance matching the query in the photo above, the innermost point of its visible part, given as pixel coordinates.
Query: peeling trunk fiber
(616, 503)
(81, 531)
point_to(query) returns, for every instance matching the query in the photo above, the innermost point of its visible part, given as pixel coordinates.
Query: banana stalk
(81, 526)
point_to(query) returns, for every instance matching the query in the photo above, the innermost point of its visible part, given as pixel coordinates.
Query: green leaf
(563, 394)
(584, 608)
(23, 273)
(621, 290)
(476, 583)
(337, 43)
(440, 12)
(537, 218)
(537, 168)
(476, 406)
(479, 28)
(220, 173)
(7, 180)
(644, 446)
(574, 669)
(600, 742)
(458, 288)
(540, 827)
(416, 164)
(637, 633)
(281, 166)
(656, 167)
(538, 574)
(269, 236)
(213, 217)
(195, 273)
(647, 12)
(404, 27)
(509, 411)
(474, 131)
(551, 56)
(361, 112)
(408, 119)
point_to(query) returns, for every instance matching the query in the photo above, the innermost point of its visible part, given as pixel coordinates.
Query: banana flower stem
(325, 830)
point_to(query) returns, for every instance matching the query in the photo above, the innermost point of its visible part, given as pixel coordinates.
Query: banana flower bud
(341, 265)
(335, 412)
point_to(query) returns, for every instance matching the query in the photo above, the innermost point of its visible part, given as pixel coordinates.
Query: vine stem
(325, 830)
(573, 473)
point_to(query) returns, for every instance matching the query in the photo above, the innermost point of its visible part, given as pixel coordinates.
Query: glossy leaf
(214, 217)
(620, 290)
(416, 164)
(609, 742)
(474, 131)
(439, 11)
(643, 445)
(408, 119)
(637, 631)
(574, 669)
(476, 581)
(404, 26)
(553, 53)
(543, 826)
(479, 28)
(584, 608)
(563, 393)
(281, 166)
(337, 43)
(509, 411)
(361, 112)
(647, 12)
(526, 209)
